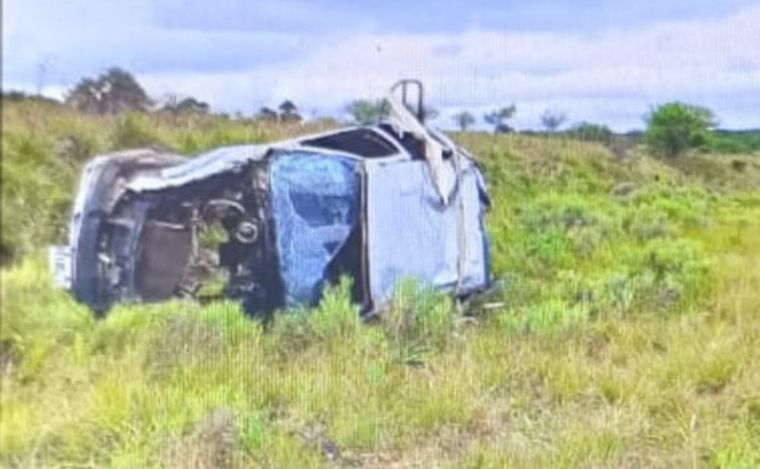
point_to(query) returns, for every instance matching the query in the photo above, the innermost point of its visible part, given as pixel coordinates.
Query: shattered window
(319, 210)
(315, 200)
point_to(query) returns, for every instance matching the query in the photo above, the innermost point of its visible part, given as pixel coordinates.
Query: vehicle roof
(365, 143)
(234, 156)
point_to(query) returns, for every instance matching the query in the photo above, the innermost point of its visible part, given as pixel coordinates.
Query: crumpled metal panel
(315, 205)
(402, 119)
(204, 165)
(412, 233)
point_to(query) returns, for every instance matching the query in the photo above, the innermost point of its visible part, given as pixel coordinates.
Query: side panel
(411, 234)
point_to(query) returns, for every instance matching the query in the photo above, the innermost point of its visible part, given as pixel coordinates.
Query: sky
(593, 60)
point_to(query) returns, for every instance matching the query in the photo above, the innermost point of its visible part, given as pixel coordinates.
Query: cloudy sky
(595, 60)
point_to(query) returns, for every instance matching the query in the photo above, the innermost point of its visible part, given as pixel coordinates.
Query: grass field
(628, 337)
(736, 142)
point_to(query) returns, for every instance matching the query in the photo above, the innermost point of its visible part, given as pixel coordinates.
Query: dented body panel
(271, 225)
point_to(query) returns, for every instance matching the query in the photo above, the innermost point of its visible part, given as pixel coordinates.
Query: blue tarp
(315, 205)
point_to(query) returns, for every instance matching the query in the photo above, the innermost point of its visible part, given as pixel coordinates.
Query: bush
(724, 141)
(676, 127)
(336, 318)
(668, 275)
(589, 132)
(419, 319)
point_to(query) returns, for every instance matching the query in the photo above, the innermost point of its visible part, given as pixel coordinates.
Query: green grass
(628, 335)
(735, 142)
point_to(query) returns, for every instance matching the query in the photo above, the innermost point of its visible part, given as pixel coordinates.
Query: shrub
(134, 130)
(725, 141)
(336, 317)
(334, 323)
(419, 318)
(589, 132)
(673, 128)
(668, 274)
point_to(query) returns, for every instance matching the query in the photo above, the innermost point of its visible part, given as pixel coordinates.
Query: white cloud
(609, 76)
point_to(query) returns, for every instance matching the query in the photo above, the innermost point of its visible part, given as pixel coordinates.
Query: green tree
(365, 111)
(187, 105)
(673, 128)
(112, 92)
(552, 120)
(591, 132)
(289, 112)
(267, 114)
(463, 120)
(498, 117)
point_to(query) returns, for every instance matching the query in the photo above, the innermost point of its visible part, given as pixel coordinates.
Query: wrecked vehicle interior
(271, 225)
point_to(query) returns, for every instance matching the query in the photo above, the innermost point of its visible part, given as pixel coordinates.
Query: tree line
(117, 90)
(671, 128)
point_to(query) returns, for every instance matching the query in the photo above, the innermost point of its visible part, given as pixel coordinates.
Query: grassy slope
(628, 336)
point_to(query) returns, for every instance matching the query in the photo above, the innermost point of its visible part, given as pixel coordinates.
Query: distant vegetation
(625, 333)
(590, 132)
(727, 141)
(116, 91)
(553, 119)
(175, 105)
(498, 118)
(673, 128)
(112, 92)
(289, 112)
(365, 111)
(464, 120)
